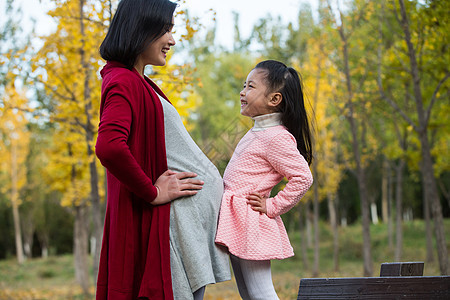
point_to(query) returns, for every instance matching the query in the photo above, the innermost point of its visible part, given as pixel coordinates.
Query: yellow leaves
(177, 83)
(190, 30)
(393, 151)
(320, 94)
(67, 65)
(14, 141)
(76, 194)
(442, 162)
(189, 25)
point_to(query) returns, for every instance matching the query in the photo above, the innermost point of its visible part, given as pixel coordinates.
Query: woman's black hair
(134, 26)
(287, 82)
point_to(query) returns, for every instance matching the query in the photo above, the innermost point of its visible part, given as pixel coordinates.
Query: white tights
(253, 278)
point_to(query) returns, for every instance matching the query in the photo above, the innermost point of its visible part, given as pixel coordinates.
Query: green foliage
(216, 120)
(349, 202)
(429, 33)
(6, 229)
(51, 218)
(10, 44)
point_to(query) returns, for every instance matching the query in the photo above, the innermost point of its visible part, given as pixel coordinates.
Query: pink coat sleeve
(112, 148)
(285, 158)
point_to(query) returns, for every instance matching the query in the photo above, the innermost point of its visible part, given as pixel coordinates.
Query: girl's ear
(276, 99)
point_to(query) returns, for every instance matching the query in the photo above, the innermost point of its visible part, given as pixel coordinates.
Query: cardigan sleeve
(285, 158)
(112, 148)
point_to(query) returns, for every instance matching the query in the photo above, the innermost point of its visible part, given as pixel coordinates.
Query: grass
(53, 278)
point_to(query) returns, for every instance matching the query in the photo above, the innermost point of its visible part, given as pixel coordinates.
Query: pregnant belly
(209, 196)
(198, 213)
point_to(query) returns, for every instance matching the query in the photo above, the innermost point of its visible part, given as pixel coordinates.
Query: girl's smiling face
(255, 99)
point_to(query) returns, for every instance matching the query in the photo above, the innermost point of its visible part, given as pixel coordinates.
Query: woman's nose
(172, 40)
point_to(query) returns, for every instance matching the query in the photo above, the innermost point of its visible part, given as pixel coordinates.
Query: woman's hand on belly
(172, 185)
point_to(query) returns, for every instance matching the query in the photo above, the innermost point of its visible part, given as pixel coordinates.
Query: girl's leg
(199, 294)
(257, 278)
(240, 282)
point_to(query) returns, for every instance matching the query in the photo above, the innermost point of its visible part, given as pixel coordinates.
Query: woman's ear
(276, 99)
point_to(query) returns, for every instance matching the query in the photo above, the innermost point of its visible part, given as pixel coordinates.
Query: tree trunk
(444, 191)
(316, 224)
(95, 198)
(384, 192)
(80, 241)
(428, 179)
(291, 225)
(43, 240)
(96, 214)
(15, 202)
(362, 186)
(309, 226)
(81, 249)
(428, 230)
(301, 222)
(335, 229)
(432, 198)
(387, 194)
(390, 212)
(399, 208)
(363, 193)
(44, 251)
(374, 211)
(367, 251)
(95, 207)
(316, 172)
(28, 234)
(355, 142)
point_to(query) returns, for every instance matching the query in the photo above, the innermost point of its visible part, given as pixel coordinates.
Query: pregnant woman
(195, 259)
(163, 192)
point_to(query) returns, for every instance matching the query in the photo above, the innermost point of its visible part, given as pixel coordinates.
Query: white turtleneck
(265, 121)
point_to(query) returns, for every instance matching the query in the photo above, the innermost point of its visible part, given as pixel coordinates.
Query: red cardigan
(135, 255)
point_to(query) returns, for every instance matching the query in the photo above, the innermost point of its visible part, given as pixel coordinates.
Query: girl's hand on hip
(172, 185)
(257, 203)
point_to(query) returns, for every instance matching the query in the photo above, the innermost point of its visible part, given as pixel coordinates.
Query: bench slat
(402, 269)
(409, 287)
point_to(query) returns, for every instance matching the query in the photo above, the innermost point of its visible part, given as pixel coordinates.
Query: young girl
(278, 145)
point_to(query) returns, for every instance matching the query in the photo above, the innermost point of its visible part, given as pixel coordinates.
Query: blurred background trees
(376, 78)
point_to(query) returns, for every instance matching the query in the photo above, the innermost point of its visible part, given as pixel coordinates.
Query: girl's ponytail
(286, 81)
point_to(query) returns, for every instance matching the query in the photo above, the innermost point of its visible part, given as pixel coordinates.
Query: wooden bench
(402, 269)
(396, 281)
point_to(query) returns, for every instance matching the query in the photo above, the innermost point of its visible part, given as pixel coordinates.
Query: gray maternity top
(195, 259)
